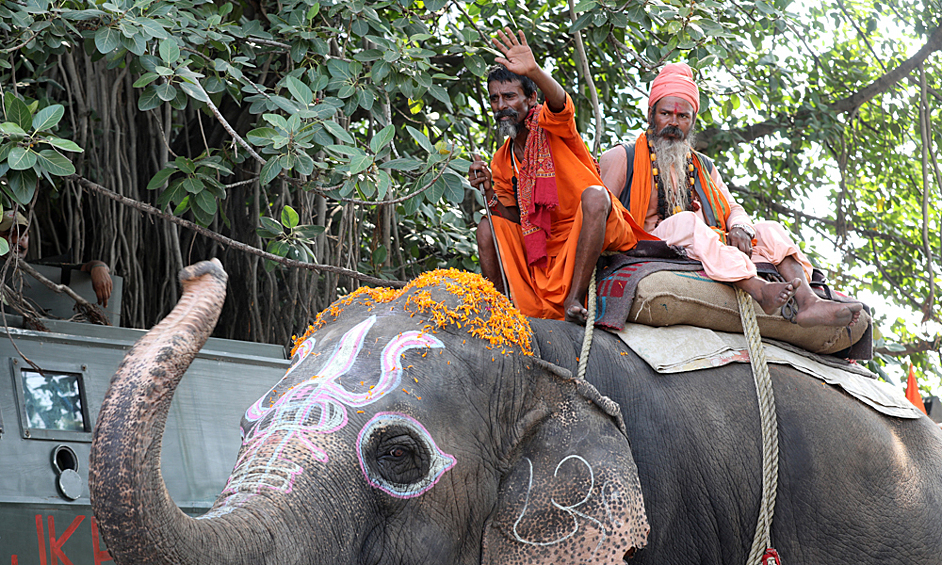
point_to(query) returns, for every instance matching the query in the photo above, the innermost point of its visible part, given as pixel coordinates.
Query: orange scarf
(536, 193)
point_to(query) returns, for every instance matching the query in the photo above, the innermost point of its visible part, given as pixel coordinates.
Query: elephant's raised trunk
(138, 519)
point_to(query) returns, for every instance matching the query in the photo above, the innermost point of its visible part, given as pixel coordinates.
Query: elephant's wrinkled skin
(395, 441)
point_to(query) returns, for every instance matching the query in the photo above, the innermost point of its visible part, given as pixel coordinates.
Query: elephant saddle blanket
(694, 348)
(667, 292)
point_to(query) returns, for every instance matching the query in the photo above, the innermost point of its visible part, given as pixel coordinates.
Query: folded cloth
(695, 348)
(617, 284)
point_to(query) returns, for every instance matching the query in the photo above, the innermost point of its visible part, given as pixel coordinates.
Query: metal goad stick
(490, 220)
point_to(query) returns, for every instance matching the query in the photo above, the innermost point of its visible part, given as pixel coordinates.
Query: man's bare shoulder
(612, 168)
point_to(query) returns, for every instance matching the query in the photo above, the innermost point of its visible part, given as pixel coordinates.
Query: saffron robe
(689, 230)
(540, 291)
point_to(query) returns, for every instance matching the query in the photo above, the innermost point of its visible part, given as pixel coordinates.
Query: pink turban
(675, 79)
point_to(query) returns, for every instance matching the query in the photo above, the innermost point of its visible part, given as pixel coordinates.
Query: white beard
(672, 169)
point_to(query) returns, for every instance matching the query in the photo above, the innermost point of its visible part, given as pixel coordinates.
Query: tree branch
(910, 348)
(87, 184)
(706, 137)
(586, 73)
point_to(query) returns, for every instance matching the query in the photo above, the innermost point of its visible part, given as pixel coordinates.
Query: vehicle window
(53, 401)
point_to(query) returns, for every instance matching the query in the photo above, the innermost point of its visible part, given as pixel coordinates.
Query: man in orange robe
(677, 195)
(543, 187)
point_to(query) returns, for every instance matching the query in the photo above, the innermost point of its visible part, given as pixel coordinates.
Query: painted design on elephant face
(259, 408)
(571, 509)
(291, 422)
(398, 455)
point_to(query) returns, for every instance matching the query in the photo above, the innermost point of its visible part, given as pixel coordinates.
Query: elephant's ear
(572, 493)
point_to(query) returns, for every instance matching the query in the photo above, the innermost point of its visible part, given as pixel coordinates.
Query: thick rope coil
(589, 329)
(763, 380)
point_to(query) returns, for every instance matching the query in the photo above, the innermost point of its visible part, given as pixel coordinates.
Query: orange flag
(912, 390)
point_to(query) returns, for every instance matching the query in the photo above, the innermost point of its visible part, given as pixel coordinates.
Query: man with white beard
(678, 196)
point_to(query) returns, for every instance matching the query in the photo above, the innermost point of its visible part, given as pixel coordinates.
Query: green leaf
(107, 39)
(309, 231)
(205, 201)
(346, 91)
(17, 111)
(289, 217)
(169, 51)
(476, 65)
(382, 138)
(194, 91)
(383, 184)
(192, 185)
(301, 92)
(160, 178)
(365, 98)
(454, 188)
(21, 158)
(145, 79)
(271, 227)
(165, 91)
(305, 164)
(337, 131)
(261, 136)
(277, 121)
(54, 163)
(13, 130)
(441, 94)
(379, 255)
(403, 164)
(434, 194)
(149, 99)
(48, 117)
(581, 22)
(420, 138)
(269, 171)
(153, 28)
(23, 185)
(359, 164)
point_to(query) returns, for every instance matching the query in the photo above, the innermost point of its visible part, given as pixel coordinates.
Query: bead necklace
(693, 199)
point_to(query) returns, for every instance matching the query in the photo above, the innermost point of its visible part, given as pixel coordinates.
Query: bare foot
(575, 312)
(769, 295)
(828, 313)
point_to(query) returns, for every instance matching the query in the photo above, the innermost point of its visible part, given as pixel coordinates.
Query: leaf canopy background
(317, 146)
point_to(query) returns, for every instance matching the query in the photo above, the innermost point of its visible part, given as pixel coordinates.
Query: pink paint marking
(313, 407)
(339, 363)
(439, 464)
(391, 370)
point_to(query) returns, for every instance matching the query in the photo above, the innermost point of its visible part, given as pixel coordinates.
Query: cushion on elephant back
(669, 298)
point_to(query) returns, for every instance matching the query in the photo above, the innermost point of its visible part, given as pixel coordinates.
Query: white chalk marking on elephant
(340, 361)
(288, 420)
(571, 510)
(438, 464)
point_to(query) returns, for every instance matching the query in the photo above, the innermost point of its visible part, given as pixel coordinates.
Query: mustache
(508, 113)
(673, 131)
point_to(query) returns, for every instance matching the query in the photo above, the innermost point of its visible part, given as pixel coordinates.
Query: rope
(760, 372)
(589, 329)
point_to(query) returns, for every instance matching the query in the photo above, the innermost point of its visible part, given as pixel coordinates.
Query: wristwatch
(750, 231)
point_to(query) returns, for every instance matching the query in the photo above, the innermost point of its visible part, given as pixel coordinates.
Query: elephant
(435, 424)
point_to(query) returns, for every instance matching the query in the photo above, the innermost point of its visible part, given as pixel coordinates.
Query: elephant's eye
(399, 457)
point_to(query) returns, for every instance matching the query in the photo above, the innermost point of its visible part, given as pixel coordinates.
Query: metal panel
(200, 444)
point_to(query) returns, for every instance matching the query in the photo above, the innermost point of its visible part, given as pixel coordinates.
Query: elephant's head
(414, 426)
